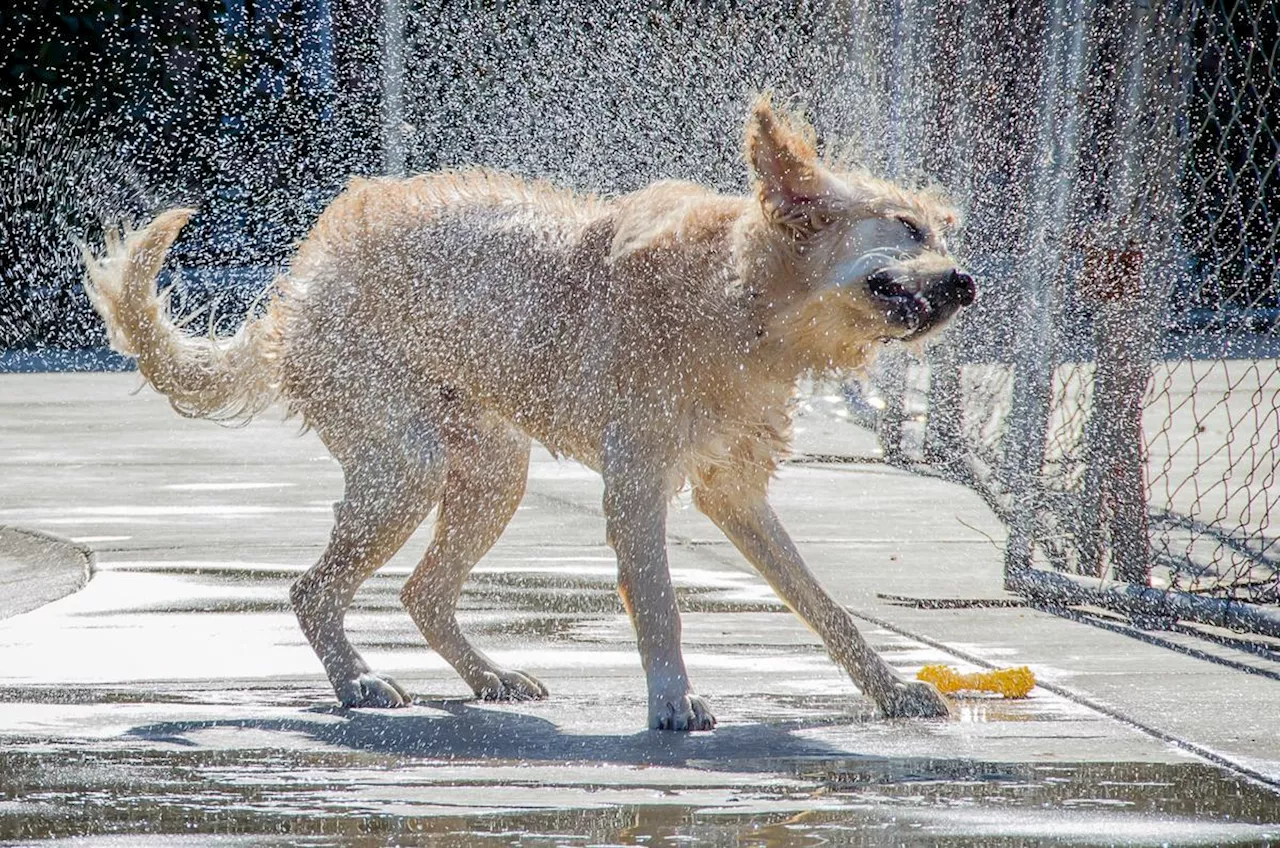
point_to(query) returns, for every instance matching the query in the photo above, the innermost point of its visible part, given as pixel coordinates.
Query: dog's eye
(913, 230)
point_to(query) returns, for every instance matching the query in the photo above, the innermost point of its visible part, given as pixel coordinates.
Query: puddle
(250, 750)
(291, 797)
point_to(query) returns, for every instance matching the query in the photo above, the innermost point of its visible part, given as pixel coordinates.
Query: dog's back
(523, 299)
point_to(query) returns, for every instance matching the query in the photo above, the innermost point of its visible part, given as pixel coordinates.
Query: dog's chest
(754, 432)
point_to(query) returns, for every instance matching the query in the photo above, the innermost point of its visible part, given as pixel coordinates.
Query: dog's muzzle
(901, 307)
(920, 312)
(957, 287)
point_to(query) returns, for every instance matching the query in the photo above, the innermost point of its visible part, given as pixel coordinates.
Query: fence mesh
(1213, 425)
(1022, 401)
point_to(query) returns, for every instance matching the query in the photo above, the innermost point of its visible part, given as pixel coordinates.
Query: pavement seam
(1154, 639)
(1188, 746)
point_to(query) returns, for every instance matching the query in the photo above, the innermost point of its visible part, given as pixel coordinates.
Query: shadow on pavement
(458, 729)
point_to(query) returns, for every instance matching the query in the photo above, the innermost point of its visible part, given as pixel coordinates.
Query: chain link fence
(1117, 397)
(1113, 394)
(1114, 163)
(1214, 429)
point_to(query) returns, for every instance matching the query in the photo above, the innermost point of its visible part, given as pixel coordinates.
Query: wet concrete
(174, 697)
(36, 568)
(372, 798)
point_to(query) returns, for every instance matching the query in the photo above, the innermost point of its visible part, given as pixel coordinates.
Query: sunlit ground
(174, 698)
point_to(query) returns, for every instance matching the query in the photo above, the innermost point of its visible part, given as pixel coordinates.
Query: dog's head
(864, 259)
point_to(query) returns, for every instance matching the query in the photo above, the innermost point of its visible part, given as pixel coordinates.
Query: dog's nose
(965, 288)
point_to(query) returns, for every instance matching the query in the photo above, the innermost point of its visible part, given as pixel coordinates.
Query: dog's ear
(794, 190)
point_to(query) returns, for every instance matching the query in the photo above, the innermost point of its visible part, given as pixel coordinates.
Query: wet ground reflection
(372, 799)
(136, 751)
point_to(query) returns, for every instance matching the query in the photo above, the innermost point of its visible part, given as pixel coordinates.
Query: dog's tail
(203, 377)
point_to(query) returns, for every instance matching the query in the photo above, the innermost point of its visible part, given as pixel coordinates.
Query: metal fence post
(892, 384)
(1113, 53)
(944, 422)
(393, 114)
(1036, 357)
(1116, 489)
(1029, 418)
(944, 410)
(891, 423)
(1135, 209)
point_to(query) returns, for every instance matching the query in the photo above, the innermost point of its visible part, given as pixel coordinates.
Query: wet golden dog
(428, 328)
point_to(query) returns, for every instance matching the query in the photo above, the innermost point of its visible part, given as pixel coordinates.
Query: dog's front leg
(635, 507)
(753, 527)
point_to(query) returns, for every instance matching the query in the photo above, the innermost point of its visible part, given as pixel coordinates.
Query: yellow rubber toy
(1006, 682)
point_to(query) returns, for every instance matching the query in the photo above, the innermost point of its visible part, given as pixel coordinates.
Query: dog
(429, 328)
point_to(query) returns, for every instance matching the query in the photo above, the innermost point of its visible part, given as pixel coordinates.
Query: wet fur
(428, 328)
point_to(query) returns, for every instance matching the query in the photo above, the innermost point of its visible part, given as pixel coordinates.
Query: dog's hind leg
(746, 517)
(389, 487)
(484, 483)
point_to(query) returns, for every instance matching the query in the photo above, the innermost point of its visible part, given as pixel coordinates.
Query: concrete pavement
(180, 666)
(36, 568)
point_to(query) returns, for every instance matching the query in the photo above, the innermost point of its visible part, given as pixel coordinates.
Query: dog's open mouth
(902, 308)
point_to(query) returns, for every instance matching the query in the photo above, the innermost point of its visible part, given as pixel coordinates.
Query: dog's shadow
(457, 729)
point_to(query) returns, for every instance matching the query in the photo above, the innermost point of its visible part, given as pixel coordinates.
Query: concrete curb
(37, 568)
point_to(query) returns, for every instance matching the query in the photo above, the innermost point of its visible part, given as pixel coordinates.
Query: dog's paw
(686, 712)
(372, 690)
(503, 685)
(915, 699)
